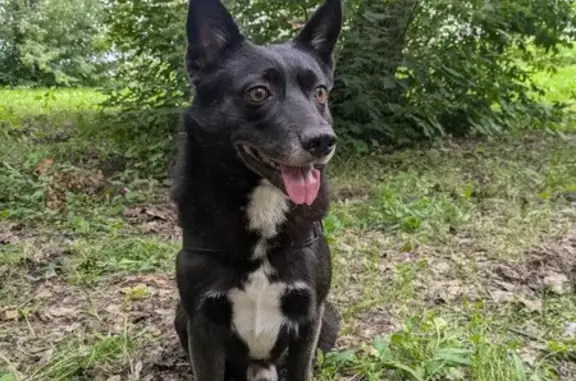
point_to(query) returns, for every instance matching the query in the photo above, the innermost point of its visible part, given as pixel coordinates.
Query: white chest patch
(256, 312)
(266, 210)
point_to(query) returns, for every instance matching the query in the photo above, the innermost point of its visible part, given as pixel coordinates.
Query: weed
(93, 259)
(80, 357)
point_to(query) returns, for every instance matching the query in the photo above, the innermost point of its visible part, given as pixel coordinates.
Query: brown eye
(321, 94)
(257, 94)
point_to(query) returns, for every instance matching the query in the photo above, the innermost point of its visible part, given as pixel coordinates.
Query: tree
(407, 69)
(412, 68)
(52, 42)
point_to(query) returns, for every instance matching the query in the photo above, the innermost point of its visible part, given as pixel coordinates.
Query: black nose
(319, 145)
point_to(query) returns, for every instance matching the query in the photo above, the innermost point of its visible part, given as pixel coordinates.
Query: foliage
(428, 349)
(408, 69)
(52, 42)
(151, 82)
(148, 35)
(443, 66)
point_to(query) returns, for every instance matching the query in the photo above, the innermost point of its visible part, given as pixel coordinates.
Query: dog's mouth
(300, 183)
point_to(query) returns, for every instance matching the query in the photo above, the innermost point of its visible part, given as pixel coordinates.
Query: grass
(21, 103)
(452, 261)
(560, 82)
(78, 356)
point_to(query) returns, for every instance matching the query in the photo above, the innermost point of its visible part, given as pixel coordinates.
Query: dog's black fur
(254, 105)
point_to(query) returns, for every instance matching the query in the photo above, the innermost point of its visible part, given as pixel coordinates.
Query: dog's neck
(226, 207)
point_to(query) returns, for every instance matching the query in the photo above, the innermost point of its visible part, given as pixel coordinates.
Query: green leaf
(518, 366)
(455, 356)
(382, 347)
(416, 374)
(341, 358)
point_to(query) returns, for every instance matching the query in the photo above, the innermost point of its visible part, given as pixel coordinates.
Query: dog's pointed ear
(211, 31)
(321, 32)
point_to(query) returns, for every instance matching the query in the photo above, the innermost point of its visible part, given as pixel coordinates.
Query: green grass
(18, 104)
(91, 260)
(560, 82)
(451, 261)
(81, 357)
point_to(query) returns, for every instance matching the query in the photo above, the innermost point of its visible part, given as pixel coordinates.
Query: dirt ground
(480, 240)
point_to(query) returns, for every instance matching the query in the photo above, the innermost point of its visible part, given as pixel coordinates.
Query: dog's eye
(257, 94)
(321, 94)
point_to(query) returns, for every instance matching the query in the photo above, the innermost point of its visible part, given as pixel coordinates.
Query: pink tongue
(302, 184)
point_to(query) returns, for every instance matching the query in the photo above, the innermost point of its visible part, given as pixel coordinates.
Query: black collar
(194, 244)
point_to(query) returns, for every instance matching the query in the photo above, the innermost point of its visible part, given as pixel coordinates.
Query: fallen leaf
(137, 292)
(506, 286)
(155, 213)
(557, 283)
(11, 315)
(529, 356)
(72, 327)
(531, 304)
(570, 329)
(63, 311)
(43, 294)
(44, 166)
(138, 369)
(46, 355)
(500, 296)
(113, 308)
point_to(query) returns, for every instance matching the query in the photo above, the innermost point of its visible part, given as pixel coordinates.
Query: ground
(453, 261)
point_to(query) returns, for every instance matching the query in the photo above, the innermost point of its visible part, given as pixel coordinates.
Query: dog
(255, 270)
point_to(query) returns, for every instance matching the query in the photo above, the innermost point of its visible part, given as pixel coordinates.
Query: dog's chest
(257, 316)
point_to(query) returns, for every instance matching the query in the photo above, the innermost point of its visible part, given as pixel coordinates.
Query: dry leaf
(531, 304)
(11, 315)
(137, 369)
(63, 311)
(44, 166)
(570, 329)
(557, 283)
(500, 296)
(137, 292)
(43, 294)
(113, 309)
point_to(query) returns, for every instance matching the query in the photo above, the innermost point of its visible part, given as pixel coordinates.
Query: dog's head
(270, 102)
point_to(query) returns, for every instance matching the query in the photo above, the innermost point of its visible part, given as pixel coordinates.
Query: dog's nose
(319, 145)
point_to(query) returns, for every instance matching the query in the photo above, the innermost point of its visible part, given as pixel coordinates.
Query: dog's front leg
(302, 351)
(207, 351)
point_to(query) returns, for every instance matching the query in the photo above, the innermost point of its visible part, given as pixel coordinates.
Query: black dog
(255, 269)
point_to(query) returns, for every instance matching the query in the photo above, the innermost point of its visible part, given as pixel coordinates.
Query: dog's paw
(257, 372)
